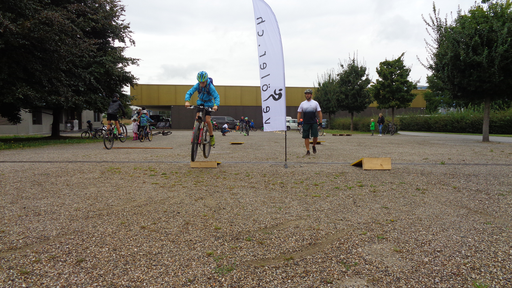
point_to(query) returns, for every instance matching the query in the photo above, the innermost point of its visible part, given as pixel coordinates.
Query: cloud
(176, 39)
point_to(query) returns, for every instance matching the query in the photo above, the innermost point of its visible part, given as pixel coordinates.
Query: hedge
(454, 122)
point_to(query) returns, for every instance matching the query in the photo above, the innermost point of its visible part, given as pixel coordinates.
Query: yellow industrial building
(235, 101)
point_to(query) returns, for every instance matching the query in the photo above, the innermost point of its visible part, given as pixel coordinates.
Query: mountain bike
(246, 129)
(200, 135)
(109, 136)
(391, 129)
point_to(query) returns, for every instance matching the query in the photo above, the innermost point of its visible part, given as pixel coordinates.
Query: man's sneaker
(314, 149)
(307, 153)
(212, 140)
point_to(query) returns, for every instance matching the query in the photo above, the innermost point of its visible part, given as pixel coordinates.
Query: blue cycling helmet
(202, 76)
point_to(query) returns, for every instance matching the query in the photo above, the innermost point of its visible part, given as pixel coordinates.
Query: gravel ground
(83, 216)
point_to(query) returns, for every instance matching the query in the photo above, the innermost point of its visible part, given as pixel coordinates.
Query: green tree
(471, 57)
(61, 55)
(353, 82)
(326, 94)
(393, 89)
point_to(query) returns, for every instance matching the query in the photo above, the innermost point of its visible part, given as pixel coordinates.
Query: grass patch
(36, 141)
(223, 270)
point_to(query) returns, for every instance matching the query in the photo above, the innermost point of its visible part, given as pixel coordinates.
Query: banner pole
(285, 149)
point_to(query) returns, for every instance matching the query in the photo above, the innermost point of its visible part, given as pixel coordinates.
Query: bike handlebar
(205, 108)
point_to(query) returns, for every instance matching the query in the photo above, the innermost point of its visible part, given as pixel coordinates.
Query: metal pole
(285, 149)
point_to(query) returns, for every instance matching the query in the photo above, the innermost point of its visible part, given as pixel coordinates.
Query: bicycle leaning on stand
(200, 135)
(109, 136)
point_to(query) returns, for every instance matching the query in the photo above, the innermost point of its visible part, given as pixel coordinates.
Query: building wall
(26, 127)
(235, 101)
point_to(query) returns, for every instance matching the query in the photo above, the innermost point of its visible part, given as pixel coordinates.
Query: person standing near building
(207, 96)
(380, 122)
(372, 126)
(308, 111)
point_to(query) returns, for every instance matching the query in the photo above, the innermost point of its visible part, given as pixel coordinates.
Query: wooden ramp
(236, 143)
(341, 134)
(373, 163)
(317, 142)
(204, 164)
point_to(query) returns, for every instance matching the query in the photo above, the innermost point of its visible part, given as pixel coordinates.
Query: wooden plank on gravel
(204, 164)
(141, 147)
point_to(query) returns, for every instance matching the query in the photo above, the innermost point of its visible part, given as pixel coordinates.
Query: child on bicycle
(89, 127)
(207, 96)
(144, 122)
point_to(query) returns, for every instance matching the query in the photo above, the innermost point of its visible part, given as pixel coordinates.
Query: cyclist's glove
(319, 124)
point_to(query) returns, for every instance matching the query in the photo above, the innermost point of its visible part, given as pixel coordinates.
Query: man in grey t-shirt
(308, 111)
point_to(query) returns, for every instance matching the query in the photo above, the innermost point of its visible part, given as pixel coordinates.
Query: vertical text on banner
(271, 66)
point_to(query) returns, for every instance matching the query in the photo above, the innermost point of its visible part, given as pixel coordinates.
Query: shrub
(458, 122)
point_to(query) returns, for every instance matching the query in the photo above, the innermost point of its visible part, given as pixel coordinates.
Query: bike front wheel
(150, 135)
(99, 134)
(206, 143)
(108, 139)
(141, 134)
(195, 142)
(125, 133)
(321, 132)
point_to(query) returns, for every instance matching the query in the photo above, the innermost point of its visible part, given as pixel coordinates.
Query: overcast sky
(176, 39)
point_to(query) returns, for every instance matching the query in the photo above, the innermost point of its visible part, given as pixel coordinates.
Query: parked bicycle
(96, 133)
(200, 135)
(110, 136)
(391, 129)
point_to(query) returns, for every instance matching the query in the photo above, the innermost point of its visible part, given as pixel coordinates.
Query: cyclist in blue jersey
(207, 96)
(308, 111)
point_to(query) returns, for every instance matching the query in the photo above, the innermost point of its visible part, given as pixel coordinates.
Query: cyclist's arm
(190, 93)
(216, 97)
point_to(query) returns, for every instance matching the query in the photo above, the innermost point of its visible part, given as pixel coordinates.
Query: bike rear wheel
(108, 139)
(85, 135)
(195, 142)
(206, 143)
(125, 133)
(247, 129)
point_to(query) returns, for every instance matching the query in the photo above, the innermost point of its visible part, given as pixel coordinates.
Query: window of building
(37, 117)
(97, 117)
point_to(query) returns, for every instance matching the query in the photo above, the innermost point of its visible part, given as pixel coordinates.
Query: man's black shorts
(112, 117)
